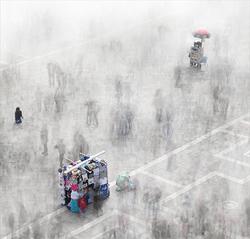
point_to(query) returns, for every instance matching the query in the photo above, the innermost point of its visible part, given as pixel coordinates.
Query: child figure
(74, 199)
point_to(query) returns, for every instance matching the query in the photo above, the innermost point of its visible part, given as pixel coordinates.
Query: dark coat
(18, 116)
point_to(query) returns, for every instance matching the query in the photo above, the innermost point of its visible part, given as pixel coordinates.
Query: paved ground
(213, 169)
(157, 118)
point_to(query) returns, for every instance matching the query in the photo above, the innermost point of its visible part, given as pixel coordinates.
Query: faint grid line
(185, 146)
(102, 233)
(41, 220)
(245, 122)
(162, 179)
(233, 160)
(247, 154)
(235, 134)
(222, 155)
(203, 180)
(189, 187)
(90, 224)
(144, 167)
(53, 52)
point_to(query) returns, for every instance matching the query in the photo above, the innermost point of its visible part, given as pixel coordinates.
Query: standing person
(92, 111)
(38, 98)
(80, 145)
(97, 204)
(59, 100)
(74, 207)
(158, 104)
(44, 139)
(61, 150)
(18, 116)
(51, 67)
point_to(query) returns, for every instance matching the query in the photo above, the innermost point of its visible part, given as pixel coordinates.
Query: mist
(115, 76)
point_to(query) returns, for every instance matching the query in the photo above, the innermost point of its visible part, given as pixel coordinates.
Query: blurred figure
(80, 145)
(158, 104)
(122, 125)
(48, 102)
(52, 73)
(177, 76)
(59, 100)
(38, 98)
(18, 116)
(220, 102)
(59, 75)
(92, 111)
(61, 150)
(97, 205)
(44, 139)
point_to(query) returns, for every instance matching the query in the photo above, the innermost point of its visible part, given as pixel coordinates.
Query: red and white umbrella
(201, 33)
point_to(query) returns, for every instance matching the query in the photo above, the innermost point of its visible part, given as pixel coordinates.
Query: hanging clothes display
(83, 180)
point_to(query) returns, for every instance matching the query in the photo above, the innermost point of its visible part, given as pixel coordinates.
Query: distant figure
(38, 99)
(61, 150)
(18, 116)
(59, 100)
(92, 111)
(51, 67)
(122, 126)
(44, 139)
(80, 146)
(177, 77)
(97, 205)
(158, 104)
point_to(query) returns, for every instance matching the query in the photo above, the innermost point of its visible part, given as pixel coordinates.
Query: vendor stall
(80, 181)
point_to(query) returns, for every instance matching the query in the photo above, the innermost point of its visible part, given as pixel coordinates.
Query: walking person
(61, 150)
(74, 207)
(92, 111)
(51, 68)
(44, 139)
(18, 116)
(97, 205)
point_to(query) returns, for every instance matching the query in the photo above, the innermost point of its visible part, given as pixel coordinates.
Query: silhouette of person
(18, 116)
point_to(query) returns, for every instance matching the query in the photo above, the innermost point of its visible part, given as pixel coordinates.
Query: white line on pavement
(235, 134)
(231, 148)
(230, 178)
(132, 218)
(245, 122)
(41, 220)
(247, 154)
(202, 180)
(144, 167)
(104, 232)
(189, 187)
(185, 146)
(91, 224)
(232, 160)
(163, 179)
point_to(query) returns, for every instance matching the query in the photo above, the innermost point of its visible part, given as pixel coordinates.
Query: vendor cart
(83, 180)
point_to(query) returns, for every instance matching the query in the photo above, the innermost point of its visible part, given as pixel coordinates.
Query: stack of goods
(81, 181)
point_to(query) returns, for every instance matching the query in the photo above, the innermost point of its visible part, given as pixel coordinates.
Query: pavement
(213, 165)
